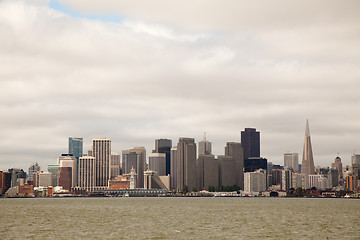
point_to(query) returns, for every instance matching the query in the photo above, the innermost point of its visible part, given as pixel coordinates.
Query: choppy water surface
(180, 218)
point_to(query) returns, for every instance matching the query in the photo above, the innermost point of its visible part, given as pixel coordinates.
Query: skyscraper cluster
(184, 166)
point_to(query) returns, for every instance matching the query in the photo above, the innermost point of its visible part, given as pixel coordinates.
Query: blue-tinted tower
(76, 149)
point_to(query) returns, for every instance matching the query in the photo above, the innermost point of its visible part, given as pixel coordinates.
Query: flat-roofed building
(207, 172)
(87, 173)
(227, 171)
(186, 163)
(157, 163)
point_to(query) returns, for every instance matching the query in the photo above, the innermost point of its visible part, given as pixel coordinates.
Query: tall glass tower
(76, 149)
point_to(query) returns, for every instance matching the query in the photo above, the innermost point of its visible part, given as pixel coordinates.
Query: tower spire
(307, 166)
(307, 130)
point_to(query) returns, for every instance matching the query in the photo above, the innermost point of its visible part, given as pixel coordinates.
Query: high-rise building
(250, 139)
(115, 165)
(65, 177)
(5, 181)
(227, 171)
(45, 179)
(207, 172)
(54, 169)
(255, 181)
(286, 179)
(164, 146)
(101, 150)
(186, 163)
(18, 176)
(87, 173)
(253, 164)
(135, 158)
(291, 161)
(236, 151)
(76, 149)
(157, 163)
(69, 160)
(338, 165)
(307, 165)
(355, 158)
(204, 147)
(173, 168)
(34, 167)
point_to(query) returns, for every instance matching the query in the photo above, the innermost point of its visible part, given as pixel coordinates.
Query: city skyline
(112, 69)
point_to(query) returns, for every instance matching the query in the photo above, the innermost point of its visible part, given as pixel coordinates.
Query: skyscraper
(135, 158)
(157, 163)
(186, 163)
(102, 153)
(227, 171)
(291, 161)
(204, 147)
(68, 160)
(173, 168)
(164, 146)
(87, 173)
(115, 165)
(307, 165)
(54, 169)
(76, 149)
(236, 151)
(34, 167)
(338, 165)
(207, 172)
(250, 140)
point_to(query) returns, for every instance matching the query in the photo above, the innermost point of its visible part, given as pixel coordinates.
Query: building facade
(115, 165)
(135, 158)
(87, 173)
(101, 151)
(236, 151)
(157, 163)
(186, 163)
(76, 149)
(164, 146)
(34, 167)
(291, 161)
(69, 160)
(250, 139)
(207, 172)
(307, 165)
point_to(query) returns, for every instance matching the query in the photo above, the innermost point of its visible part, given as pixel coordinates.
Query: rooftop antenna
(204, 137)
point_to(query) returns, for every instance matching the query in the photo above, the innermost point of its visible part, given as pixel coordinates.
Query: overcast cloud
(168, 69)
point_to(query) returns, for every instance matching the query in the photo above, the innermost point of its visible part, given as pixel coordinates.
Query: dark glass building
(250, 139)
(253, 164)
(164, 146)
(76, 149)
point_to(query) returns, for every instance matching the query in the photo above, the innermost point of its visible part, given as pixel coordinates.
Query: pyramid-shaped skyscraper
(307, 165)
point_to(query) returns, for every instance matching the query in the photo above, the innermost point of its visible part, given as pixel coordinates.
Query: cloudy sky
(134, 71)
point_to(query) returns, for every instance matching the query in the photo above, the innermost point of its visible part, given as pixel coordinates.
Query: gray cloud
(159, 74)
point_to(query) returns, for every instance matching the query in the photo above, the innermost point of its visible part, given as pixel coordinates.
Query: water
(180, 218)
